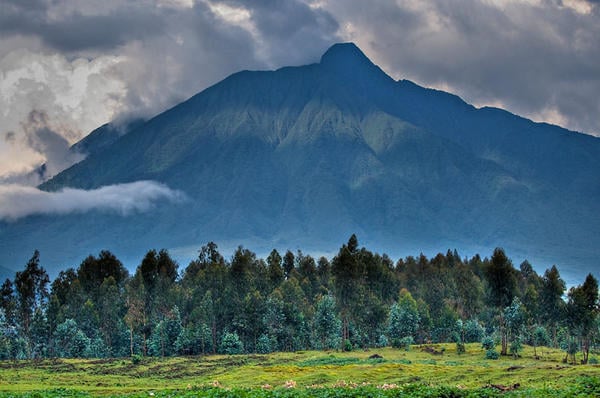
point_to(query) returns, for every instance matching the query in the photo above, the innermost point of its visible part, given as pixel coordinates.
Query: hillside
(305, 156)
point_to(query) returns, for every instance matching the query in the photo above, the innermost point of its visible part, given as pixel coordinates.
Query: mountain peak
(345, 55)
(347, 61)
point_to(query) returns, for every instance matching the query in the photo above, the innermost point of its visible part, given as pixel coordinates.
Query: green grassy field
(310, 372)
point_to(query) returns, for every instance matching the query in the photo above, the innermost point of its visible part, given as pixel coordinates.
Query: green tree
(231, 344)
(582, 312)
(69, 341)
(31, 286)
(514, 317)
(327, 326)
(552, 306)
(539, 338)
(501, 280)
(345, 270)
(7, 300)
(288, 264)
(92, 272)
(502, 286)
(404, 317)
(274, 320)
(163, 341)
(136, 317)
(275, 271)
(473, 331)
(111, 311)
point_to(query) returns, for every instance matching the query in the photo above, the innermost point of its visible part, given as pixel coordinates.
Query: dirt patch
(431, 350)
(515, 367)
(503, 388)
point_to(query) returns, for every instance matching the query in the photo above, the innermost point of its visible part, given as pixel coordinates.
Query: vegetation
(355, 301)
(421, 372)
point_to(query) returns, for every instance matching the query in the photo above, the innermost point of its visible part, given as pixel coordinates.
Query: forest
(292, 301)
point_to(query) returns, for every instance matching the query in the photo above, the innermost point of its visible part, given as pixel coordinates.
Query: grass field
(310, 372)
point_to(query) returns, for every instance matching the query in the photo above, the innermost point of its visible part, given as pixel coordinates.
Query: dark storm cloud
(536, 59)
(75, 31)
(293, 31)
(200, 47)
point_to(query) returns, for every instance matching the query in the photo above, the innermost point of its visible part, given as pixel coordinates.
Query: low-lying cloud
(18, 201)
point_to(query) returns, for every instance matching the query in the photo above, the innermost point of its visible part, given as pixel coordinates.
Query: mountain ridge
(308, 155)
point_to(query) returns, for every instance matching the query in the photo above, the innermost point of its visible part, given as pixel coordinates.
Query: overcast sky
(68, 66)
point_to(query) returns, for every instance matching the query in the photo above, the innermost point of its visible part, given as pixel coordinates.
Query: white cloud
(76, 96)
(18, 201)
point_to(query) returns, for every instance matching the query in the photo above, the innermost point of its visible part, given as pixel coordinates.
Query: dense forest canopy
(292, 301)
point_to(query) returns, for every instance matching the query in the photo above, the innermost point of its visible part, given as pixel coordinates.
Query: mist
(19, 201)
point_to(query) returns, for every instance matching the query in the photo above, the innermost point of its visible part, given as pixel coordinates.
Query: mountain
(302, 157)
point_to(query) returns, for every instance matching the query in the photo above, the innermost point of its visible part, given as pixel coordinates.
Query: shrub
(405, 342)
(516, 347)
(265, 344)
(382, 341)
(460, 348)
(136, 359)
(488, 343)
(492, 354)
(347, 345)
(593, 361)
(473, 331)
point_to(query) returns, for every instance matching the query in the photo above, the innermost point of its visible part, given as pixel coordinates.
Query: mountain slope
(305, 156)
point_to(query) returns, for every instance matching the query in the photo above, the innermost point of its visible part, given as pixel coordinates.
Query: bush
(593, 361)
(473, 331)
(405, 342)
(488, 343)
(231, 344)
(347, 345)
(516, 347)
(265, 344)
(136, 359)
(492, 354)
(460, 348)
(383, 341)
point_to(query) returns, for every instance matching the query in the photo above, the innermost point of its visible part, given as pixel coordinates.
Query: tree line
(357, 299)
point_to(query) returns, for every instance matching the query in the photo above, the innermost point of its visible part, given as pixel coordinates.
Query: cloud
(18, 201)
(53, 146)
(535, 58)
(74, 96)
(86, 63)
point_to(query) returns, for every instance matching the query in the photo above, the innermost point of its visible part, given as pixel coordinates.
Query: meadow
(432, 371)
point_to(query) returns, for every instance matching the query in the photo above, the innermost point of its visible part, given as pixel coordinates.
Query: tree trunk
(214, 337)
(585, 350)
(131, 340)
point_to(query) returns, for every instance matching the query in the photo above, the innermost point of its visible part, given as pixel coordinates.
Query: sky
(69, 66)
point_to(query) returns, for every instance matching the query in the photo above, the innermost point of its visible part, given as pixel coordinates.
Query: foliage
(69, 340)
(288, 303)
(492, 354)
(404, 317)
(231, 344)
(488, 343)
(473, 331)
(327, 325)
